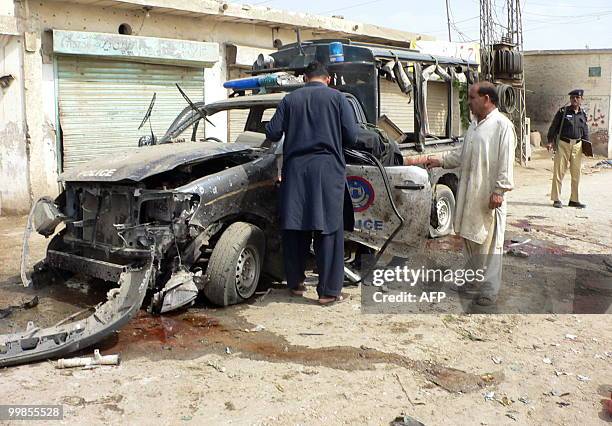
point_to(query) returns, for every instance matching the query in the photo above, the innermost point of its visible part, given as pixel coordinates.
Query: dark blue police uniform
(317, 122)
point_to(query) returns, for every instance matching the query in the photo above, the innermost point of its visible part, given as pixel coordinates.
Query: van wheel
(235, 265)
(445, 209)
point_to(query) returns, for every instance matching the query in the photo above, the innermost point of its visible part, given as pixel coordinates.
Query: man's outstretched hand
(495, 201)
(433, 162)
(428, 161)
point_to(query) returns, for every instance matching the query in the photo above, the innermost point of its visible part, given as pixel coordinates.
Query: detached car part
(36, 344)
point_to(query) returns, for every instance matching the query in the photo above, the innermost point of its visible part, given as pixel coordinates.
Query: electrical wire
(575, 21)
(263, 2)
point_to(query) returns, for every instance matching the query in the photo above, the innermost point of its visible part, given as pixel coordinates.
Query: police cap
(576, 92)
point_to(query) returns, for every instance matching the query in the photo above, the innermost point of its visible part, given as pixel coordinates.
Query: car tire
(444, 203)
(235, 265)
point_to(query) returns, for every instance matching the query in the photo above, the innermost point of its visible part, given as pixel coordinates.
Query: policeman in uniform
(569, 137)
(317, 122)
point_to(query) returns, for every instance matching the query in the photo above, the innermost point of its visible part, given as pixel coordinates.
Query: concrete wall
(549, 76)
(14, 186)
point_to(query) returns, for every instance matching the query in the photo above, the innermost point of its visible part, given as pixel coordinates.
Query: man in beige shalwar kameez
(486, 161)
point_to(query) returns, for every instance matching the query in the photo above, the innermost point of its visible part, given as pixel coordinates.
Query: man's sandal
(486, 301)
(334, 300)
(299, 291)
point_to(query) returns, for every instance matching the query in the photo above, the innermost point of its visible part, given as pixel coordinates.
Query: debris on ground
(604, 164)
(496, 360)
(546, 360)
(89, 362)
(504, 400)
(217, 367)
(571, 336)
(556, 392)
(260, 295)
(525, 400)
(517, 253)
(405, 420)
(458, 381)
(583, 378)
(519, 242)
(255, 329)
(26, 304)
(489, 396)
(413, 401)
(512, 415)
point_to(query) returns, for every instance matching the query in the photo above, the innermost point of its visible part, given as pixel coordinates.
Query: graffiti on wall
(596, 117)
(543, 108)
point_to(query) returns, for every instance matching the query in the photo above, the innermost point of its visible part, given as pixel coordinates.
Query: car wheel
(445, 209)
(235, 265)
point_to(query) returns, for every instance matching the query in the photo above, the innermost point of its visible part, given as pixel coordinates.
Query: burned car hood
(139, 163)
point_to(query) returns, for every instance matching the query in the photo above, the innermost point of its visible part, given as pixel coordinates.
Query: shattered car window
(188, 121)
(187, 126)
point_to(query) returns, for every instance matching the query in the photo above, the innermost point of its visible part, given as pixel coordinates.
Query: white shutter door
(437, 107)
(102, 102)
(394, 104)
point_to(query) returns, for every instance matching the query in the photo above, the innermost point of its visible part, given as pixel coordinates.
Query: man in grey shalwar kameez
(486, 162)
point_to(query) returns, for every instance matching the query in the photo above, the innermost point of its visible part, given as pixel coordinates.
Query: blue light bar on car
(251, 83)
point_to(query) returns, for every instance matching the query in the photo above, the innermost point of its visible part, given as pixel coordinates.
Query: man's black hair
(316, 69)
(486, 88)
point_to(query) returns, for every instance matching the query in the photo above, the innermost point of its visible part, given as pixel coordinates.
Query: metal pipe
(97, 359)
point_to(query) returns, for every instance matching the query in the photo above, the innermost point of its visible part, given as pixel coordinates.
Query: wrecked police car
(189, 214)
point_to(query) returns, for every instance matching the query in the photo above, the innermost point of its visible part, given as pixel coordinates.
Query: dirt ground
(337, 365)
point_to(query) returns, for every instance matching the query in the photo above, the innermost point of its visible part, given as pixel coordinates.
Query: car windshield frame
(188, 117)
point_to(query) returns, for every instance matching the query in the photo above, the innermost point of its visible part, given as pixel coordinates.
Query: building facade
(78, 76)
(551, 74)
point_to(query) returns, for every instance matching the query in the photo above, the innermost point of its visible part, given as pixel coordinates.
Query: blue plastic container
(336, 52)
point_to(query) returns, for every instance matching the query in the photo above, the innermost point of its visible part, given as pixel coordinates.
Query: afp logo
(362, 193)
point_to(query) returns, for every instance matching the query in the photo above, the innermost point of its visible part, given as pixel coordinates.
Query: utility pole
(448, 20)
(501, 63)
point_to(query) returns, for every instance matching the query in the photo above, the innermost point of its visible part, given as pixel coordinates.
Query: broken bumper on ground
(134, 278)
(70, 335)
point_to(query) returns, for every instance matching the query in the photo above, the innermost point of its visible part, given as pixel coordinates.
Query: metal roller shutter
(394, 104)
(437, 107)
(102, 102)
